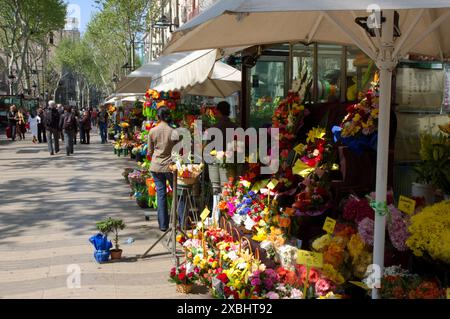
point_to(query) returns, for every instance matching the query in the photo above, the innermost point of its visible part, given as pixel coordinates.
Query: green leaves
(111, 225)
(435, 165)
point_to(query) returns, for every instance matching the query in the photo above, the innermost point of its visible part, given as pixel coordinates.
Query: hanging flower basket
(184, 288)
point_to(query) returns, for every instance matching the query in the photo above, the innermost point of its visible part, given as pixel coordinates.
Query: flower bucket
(184, 288)
(213, 171)
(101, 255)
(423, 190)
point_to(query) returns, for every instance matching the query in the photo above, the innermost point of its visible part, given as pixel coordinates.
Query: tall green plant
(434, 167)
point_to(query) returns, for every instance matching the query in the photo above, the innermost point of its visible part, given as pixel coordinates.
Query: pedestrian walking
(86, 125)
(76, 113)
(41, 126)
(94, 115)
(103, 124)
(52, 127)
(21, 124)
(60, 109)
(12, 121)
(68, 124)
(34, 120)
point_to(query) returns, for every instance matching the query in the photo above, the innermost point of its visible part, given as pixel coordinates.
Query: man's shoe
(52, 153)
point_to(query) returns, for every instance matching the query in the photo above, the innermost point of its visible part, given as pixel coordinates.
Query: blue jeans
(161, 196)
(68, 139)
(103, 133)
(53, 138)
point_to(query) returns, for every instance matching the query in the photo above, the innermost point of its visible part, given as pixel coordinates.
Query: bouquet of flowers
(358, 129)
(317, 151)
(288, 116)
(398, 283)
(313, 199)
(183, 275)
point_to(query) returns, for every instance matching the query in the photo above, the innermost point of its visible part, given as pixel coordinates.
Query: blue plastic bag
(101, 242)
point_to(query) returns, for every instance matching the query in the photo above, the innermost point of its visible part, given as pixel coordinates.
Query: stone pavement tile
(51, 252)
(28, 295)
(97, 292)
(24, 274)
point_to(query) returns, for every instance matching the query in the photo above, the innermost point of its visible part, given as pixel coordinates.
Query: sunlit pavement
(48, 209)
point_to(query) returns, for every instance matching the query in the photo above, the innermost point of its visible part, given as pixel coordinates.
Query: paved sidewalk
(48, 209)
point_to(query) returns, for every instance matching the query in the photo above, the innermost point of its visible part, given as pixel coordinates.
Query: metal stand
(171, 243)
(186, 200)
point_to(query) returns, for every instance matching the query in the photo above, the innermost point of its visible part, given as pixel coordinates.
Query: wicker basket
(184, 288)
(187, 181)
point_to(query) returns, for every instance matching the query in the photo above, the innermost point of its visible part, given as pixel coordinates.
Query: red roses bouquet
(182, 276)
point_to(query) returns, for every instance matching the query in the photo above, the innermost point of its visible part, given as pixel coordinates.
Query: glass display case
(330, 74)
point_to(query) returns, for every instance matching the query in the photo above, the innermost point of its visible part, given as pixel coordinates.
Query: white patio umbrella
(423, 25)
(222, 81)
(195, 72)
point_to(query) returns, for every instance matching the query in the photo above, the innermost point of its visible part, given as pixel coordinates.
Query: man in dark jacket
(12, 121)
(52, 127)
(41, 127)
(68, 124)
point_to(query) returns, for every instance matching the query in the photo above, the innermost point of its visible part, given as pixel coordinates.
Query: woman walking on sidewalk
(12, 121)
(34, 120)
(68, 124)
(21, 124)
(86, 124)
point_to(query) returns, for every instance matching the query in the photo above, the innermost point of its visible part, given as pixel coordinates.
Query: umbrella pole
(386, 64)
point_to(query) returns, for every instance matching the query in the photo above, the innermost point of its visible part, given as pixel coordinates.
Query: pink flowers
(365, 230)
(398, 229)
(324, 286)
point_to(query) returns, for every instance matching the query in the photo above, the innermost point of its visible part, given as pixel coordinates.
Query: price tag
(448, 293)
(406, 205)
(360, 284)
(273, 183)
(205, 213)
(309, 258)
(329, 225)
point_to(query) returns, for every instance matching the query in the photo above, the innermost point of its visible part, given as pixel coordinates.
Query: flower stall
(286, 236)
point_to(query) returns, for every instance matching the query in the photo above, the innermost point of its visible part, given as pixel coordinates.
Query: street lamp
(11, 78)
(164, 23)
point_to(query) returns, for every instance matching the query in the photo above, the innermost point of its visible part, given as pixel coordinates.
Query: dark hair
(164, 114)
(68, 108)
(224, 108)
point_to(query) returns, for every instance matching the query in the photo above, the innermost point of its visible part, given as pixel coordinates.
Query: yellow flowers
(333, 274)
(355, 246)
(315, 133)
(430, 232)
(320, 243)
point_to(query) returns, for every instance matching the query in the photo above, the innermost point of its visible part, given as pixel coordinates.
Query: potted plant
(433, 172)
(183, 278)
(112, 225)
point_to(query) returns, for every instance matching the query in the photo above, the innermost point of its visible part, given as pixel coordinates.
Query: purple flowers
(398, 229)
(365, 230)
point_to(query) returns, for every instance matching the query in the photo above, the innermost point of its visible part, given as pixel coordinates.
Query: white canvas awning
(195, 72)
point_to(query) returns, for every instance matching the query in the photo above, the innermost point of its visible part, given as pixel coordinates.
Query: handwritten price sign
(205, 213)
(309, 258)
(406, 205)
(329, 225)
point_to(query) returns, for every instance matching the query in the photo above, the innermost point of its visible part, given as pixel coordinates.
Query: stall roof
(195, 71)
